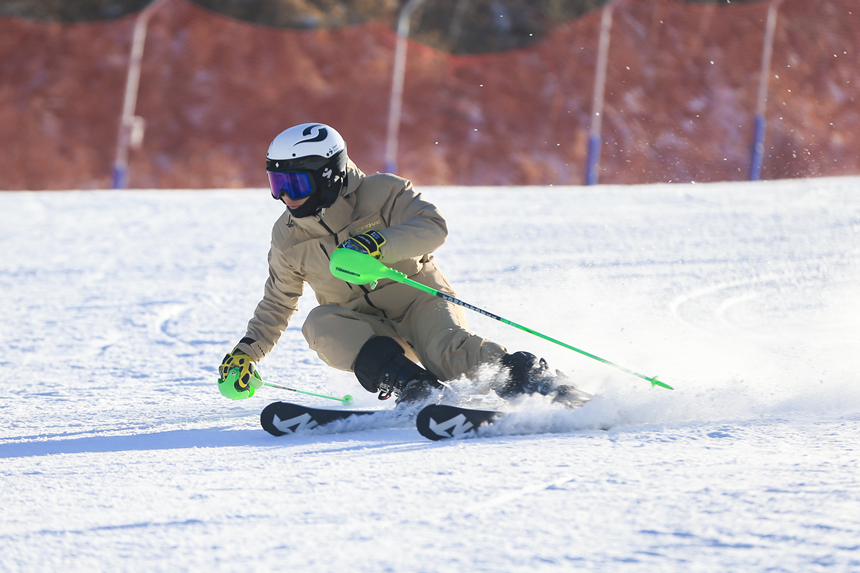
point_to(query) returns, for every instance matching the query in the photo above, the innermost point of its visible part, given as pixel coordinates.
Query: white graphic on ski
(303, 422)
(458, 425)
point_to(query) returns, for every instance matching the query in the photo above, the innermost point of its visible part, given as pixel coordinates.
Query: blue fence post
(593, 159)
(757, 148)
(132, 83)
(397, 76)
(757, 151)
(120, 177)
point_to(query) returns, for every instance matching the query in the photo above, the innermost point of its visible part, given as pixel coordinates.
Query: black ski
(279, 418)
(439, 421)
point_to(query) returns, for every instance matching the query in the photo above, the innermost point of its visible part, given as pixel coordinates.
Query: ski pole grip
(360, 269)
(228, 388)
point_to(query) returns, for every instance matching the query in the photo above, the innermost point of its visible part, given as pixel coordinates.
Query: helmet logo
(322, 133)
(327, 173)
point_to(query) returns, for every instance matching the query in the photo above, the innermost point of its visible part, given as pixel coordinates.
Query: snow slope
(117, 453)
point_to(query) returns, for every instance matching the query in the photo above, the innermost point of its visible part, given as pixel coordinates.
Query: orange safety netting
(680, 98)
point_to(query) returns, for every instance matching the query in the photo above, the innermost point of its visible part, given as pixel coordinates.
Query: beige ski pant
(431, 330)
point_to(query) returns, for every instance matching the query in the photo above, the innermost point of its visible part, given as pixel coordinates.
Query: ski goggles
(296, 185)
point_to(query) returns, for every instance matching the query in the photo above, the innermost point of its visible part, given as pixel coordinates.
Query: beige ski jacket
(301, 249)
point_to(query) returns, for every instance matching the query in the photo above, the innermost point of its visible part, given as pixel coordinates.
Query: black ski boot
(382, 366)
(528, 375)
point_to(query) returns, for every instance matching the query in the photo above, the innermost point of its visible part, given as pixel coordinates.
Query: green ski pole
(358, 268)
(346, 399)
(228, 388)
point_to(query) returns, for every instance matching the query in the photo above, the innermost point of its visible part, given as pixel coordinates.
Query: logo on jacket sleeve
(363, 228)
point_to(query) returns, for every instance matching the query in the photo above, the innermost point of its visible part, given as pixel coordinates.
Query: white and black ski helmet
(308, 160)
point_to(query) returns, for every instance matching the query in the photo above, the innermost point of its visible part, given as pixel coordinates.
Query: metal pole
(593, 159)
(757, 154)
(127, 120)
(395, 106)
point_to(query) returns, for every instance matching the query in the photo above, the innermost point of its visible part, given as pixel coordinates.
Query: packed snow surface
(119, 454)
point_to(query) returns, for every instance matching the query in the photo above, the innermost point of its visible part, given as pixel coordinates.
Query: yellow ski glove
(368, 243)
(245, 367)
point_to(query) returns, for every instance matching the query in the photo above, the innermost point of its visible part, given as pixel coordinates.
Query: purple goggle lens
(295, 185)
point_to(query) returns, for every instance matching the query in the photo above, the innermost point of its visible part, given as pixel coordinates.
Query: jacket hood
(354, 175)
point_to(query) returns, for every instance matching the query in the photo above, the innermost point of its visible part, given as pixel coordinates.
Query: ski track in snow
(118, 453)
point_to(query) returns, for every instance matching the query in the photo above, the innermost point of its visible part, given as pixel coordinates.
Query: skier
(381, 335)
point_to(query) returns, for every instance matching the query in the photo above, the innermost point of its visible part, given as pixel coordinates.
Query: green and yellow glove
(238, 376)
(368, 243)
